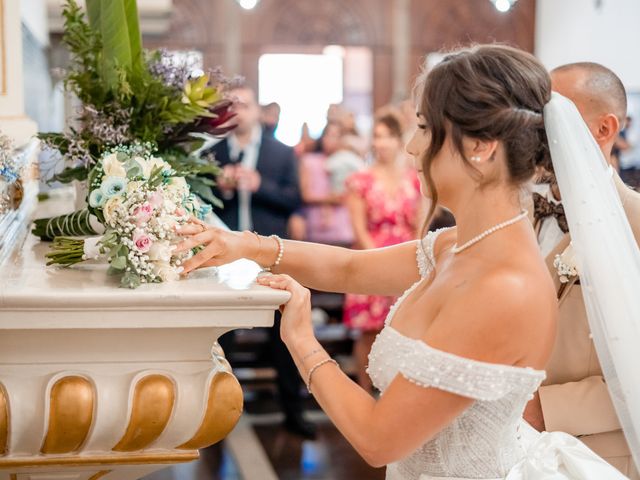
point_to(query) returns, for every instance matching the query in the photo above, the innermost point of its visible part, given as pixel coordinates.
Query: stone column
(401, 41)
(13, 121)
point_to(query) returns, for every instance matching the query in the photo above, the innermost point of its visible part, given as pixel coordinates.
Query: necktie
(543, 208)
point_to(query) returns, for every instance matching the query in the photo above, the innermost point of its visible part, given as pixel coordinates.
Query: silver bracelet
(280, 253)
(315, 367)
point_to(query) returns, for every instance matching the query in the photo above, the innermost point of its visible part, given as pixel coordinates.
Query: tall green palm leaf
(117, 22)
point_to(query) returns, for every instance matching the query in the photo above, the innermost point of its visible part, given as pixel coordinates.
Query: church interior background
(306, 56)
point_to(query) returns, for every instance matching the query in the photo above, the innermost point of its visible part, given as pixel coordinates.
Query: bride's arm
(470, 325)
(383, 271)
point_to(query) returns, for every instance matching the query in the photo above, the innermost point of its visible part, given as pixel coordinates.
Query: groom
(574, 397)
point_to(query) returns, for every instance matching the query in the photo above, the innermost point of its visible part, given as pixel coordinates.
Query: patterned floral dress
(391, 219)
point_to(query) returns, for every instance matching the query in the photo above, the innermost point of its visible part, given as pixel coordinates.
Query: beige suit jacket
(574, 396)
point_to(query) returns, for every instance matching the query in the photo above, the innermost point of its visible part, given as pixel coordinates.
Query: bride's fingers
(214, 262)
(195, 240)
(201, 257)
(280, 282)
(189, 229)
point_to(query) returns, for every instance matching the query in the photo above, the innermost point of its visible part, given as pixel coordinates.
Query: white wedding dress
(490, 440)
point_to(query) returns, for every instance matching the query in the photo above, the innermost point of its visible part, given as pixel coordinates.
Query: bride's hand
(219, 246)
(295, 326)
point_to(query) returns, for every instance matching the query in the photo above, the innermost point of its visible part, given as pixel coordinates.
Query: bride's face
(448, 171)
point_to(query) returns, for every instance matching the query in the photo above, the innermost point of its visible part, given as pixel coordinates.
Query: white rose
(166, 223)
(169, 206)
(160, 251)
(166, 272)
(110, 208)
(158, 162)
(145, 166)
(178, 186)
(113, 167)
(178, 183)
(134, 186)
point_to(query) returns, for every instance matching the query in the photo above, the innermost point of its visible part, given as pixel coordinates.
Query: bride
(464, 347)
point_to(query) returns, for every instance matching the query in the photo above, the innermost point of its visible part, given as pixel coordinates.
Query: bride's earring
(476, 158)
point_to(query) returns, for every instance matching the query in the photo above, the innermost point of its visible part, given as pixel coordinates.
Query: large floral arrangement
(131, 95)
(139, 200)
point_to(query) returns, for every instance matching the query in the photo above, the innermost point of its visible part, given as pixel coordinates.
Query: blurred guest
(344, 162)
(327, 219)
(270, 117)
(385, 206)
(259, 189)
(306, 143)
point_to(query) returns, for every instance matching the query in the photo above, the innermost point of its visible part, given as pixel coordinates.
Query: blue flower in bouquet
(112, 186)
(204, 211)
(97, 199)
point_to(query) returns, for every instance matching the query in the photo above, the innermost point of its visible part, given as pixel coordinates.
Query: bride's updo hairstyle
(487, 92)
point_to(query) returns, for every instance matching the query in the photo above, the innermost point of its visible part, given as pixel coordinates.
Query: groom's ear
(608, 129)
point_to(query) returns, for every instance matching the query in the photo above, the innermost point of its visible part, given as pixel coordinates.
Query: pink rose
(143, 213)
(156, 199)
(142, 241)
(180, 212)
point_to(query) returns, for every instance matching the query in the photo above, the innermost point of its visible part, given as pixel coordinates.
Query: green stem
(66, 251)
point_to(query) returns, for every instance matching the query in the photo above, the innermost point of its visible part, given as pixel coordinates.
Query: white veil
(607, 257)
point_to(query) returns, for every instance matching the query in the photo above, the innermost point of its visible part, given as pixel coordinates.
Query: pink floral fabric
(391, 219)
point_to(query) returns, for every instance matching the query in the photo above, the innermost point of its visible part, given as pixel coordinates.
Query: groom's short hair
(601, 84)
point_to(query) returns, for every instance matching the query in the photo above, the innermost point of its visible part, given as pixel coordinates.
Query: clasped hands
(238, 177)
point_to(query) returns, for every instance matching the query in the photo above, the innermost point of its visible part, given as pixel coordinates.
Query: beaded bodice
(483, 441)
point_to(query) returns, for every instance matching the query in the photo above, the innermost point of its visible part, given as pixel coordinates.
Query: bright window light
(248, 4)
(503, 5)
(304, 86)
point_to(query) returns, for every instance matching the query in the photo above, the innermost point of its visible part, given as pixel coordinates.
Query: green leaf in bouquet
(109, 238)
(156, 177)
(119, 263)
(201, 186)
(119, 251)
(71, 173)
(133, 169)
(130, 280)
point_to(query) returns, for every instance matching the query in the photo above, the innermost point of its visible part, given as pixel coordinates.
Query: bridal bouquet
(139, 200)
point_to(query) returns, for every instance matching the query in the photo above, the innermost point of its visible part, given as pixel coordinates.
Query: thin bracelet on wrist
(315, 367)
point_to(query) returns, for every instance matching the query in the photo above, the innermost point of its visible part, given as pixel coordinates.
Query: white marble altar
(102, 382)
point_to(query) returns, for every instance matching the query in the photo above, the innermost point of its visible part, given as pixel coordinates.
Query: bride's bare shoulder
(444, 240)
(505, 315)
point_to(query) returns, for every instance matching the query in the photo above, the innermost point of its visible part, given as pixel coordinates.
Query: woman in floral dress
(385, 204)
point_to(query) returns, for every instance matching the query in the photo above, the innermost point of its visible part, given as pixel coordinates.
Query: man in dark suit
(260, 190)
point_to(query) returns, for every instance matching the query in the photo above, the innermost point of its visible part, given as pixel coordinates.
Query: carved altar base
(101, 382)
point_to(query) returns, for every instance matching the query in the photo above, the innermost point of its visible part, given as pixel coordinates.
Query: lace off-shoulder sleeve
(424, 252)
(483, 381)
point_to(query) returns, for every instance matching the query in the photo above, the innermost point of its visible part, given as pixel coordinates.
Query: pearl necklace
(495, 228)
